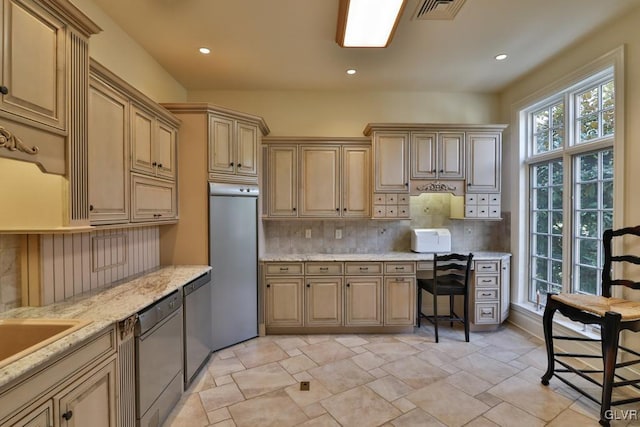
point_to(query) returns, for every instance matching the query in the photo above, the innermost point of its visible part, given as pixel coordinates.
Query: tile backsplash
(10, 293)
(374, 236)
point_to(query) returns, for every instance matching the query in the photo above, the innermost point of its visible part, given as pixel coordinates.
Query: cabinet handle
(67, 415)
(406, 184)
(159, 165)
(364, 268)
(468, 184)
(441, 170)
(400, 268)
(486, 266)
(433, 171)
(345, 209)
(154, 164)
(324, 268)
(486, 294)
(284, 268)
(239, 165)
(231, 164)
(4, 90)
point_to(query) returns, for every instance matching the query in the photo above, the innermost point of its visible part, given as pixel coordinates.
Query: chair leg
(547, 324)
(466, 317)
(451, 310)
(435, 314)
(610, 336)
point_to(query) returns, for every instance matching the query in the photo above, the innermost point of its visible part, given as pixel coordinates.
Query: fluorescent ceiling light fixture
(205, 50)
(367, 23)
(501, 57)
(351, 71)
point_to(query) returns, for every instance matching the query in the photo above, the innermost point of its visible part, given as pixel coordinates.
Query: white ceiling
(289, 44)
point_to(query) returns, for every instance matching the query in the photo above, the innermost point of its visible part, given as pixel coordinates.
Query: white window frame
(522, 158)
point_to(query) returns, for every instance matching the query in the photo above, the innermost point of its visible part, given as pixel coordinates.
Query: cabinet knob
(308, 285)
(67, 415)
(345, 209)
(441, 170)
(154, 164)
(268, 286)
(159, 165)
(231, 164)
(294, 209)
(90, 207)
(337, 209)
(4, 90)
(348, 285)
(468, 184)
(406, 184)
(239, 165)
(433, 171)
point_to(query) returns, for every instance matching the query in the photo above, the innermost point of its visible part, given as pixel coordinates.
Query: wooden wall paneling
(85, 261)
(67, 247)
(46, 260)
(58, 268)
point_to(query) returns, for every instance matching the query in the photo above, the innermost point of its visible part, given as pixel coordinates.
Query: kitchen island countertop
(384, 256)
(102, 308)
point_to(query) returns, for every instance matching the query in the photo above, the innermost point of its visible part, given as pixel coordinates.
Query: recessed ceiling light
(351, 71)
(501, 57)
(205, 50)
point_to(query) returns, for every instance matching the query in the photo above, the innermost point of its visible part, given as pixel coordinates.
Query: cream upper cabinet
(221, 156)
(484, 154)
(437, 155)
(319, 193)
(356, 181)
(424, 161)
(33, 63)
(153, 144)
(108, 154)
(282, 188)
(391, 162)
(233, 149)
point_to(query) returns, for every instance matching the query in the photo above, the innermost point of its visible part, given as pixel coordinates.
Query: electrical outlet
(307, 233)
(338, 233)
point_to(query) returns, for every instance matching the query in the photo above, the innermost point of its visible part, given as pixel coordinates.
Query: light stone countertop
(103, 308)
(385, 256)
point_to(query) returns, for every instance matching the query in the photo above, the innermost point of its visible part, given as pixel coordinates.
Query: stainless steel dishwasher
(197, 326)
(159, 377)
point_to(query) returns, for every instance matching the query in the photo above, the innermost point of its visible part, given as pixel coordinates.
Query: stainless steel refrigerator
(233, 256)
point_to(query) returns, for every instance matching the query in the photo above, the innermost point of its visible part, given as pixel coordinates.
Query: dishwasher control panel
(156, 312)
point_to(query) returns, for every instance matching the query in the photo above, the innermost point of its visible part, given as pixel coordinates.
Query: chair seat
(599, 305)
(448, 284)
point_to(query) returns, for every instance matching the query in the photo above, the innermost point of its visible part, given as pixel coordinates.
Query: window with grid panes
(570, 165)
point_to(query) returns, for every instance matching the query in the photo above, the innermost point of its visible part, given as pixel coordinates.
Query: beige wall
(114, 49)
(345, 114)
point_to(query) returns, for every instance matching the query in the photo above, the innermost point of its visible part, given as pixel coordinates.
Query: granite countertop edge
(385, 256)
(102, 308)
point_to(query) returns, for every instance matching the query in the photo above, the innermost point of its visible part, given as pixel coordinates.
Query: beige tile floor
(384, 380)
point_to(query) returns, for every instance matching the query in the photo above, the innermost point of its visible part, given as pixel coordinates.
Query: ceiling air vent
(437, 9)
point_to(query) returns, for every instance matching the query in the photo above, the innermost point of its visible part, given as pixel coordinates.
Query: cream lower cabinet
(76, 390)
(284, 301)
(338, 295)
(323, 301)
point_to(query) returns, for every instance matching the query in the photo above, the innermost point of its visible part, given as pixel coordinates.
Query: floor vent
(437, 9)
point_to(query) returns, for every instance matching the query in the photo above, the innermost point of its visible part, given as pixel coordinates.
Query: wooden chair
(450, 277)
(613, 315)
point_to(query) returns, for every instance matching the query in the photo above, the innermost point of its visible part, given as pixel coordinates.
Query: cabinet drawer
(391, 199)
(425, 265)
(284, 268)
(399, 268)
(403, 211)
(152, 199)
(391, 211)
(484, 281)
(486, 294)
(470, 199)
(352, 268)
(486, 313)
(403, 199)
(379, 199)
(483, 211)
(471, 211)
(494, 211)
(321, 268)
(494, 199)
(482, 199)
(487, 266)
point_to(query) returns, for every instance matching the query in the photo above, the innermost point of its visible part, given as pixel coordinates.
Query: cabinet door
(164, 150)
(283, 301)
(90, 401)
(283, 181)
(451, 155)
(319, 181)
(152, 199)
(33, 63)
(483, 162)
(399, 300)
(423, 155)
(323, 301)
(391, 152)
(363, 301)
(356, 182)
(221, 155)
(246, 149)
(42, 416)
(505, 288)
(142, 130)
(108, 155)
